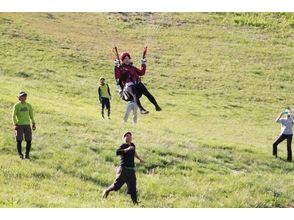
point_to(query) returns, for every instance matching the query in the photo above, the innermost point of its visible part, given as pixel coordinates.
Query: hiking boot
(105, 194)
(135, 202)
(144, 112)
(27, 157)
(21, 156)
(157, 108)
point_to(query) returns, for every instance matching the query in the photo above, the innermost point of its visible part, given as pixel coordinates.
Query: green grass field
(220, 78)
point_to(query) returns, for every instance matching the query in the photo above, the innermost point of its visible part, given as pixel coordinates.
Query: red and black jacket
(128, 73)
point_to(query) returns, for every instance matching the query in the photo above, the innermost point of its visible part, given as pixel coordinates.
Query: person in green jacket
(22, 116)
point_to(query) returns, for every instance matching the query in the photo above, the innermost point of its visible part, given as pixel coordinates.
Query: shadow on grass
(8, 150)
(84, 177)
(221, 159)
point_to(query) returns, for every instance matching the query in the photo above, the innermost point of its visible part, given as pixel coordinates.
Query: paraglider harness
(124, 94)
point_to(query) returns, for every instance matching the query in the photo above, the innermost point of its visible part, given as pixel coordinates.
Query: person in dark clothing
(126, 170)
(286, 132)
(104, 97)
(128, 78)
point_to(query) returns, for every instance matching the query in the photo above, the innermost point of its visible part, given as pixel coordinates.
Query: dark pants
(143, 90)
(281, 138)
(135, 95)
(19, 148)
(105, 103)
(127, 176)
(26, 132)
(23, 131)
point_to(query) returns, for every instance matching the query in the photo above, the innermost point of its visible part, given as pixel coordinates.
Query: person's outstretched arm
(139, 158)
(278, 118)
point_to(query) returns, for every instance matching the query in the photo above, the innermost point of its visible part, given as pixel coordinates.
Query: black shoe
(27, 157)
(21, 156)
(289, 160)
(105, 194)
(157, 108)
(144, 112)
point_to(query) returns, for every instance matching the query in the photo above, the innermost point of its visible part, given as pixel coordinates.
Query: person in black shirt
(126, 170)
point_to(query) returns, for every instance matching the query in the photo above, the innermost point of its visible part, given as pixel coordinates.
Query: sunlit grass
(221, 79)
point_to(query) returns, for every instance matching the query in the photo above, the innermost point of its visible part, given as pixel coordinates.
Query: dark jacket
(127, 159)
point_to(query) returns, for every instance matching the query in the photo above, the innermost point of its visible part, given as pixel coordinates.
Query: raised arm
(117, 72)
(117, 75)
(280, 115)
(141, 72)
(291, 114)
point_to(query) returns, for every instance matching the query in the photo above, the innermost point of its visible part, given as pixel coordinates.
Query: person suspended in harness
(104, 97)
(128, 79)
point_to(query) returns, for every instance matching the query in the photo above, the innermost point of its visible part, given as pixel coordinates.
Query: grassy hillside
(220, 78)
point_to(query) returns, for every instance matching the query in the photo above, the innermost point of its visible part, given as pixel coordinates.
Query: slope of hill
(220, 78)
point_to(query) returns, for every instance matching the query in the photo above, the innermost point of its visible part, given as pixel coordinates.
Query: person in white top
(287, 122)
(131, 107)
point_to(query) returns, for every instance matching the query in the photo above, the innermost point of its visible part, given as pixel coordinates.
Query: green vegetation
(221, 79)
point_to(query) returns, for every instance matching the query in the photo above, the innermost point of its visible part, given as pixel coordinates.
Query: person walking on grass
(22, 116)
(104, 97)
(286, 132)
(126, 171)
(131, 107)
